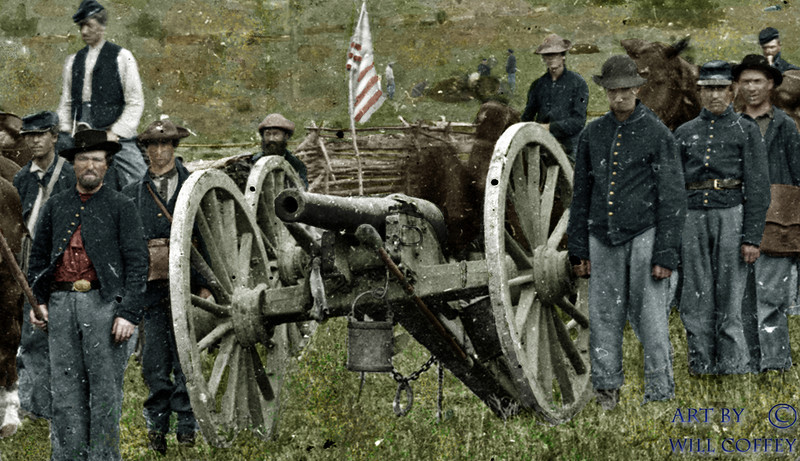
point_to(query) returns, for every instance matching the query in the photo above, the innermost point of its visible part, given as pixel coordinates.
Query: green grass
(320, 408)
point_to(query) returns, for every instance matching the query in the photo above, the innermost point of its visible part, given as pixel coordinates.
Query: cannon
(511, 324)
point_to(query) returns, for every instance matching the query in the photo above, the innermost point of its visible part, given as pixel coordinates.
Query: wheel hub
(246, 316)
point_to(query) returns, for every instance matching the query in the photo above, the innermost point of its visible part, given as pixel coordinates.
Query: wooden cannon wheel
(540, 311)
(234, 366)
(269, 177)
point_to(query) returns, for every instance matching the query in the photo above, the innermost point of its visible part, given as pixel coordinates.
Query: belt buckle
(82, 285)
(717, 185)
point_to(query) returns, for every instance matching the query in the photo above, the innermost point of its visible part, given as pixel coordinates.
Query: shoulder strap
(52, 183)
(158, 202)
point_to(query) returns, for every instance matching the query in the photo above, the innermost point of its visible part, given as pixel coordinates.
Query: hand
(661, 273)
(39, 323)
(122, 330)
(204, 293)
(584, 269)
(750, 253)
(111, 136)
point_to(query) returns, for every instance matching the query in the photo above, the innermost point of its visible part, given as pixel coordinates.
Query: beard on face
(273, 147)
(90, 183)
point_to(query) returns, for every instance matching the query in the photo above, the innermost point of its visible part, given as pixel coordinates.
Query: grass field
(219, 66)
(321, 418)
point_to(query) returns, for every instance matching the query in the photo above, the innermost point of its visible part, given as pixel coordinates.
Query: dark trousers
(33, 362)
(163, 375)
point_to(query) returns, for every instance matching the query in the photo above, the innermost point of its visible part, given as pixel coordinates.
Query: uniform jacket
(112, 236)
(783, 149)
(782, 65)
(27, 184)
(562, 104)
(154, 223)
(627, 180)
(727, 146)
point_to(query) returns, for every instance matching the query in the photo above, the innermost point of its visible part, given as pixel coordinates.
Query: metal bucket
(369, 345)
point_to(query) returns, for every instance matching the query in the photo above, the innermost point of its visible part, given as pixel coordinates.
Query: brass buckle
(82, 285)
(717, 185)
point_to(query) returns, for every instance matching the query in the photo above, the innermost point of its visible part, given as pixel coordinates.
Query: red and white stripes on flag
(365, 86)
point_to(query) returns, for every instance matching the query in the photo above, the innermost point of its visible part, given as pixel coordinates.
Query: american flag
(365, 86)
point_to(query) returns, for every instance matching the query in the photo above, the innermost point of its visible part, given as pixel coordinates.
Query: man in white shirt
(102, 88)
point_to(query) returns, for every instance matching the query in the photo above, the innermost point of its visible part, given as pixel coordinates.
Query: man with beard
(727, 188)
(559, 98)
(771, 284)
(274, 131)
(154, 196)
(43, 176)
(88, 267)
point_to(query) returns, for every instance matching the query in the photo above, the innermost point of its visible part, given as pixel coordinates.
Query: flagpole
(353, 133)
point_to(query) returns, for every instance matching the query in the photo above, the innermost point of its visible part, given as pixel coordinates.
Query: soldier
(770, 42)
(773, 274)
(625, 231)
(88, 267)
(727, 186)
(102, 88)
(274, 131)
(154, 196)
(45, 175)
(559, 98)
(511, 71)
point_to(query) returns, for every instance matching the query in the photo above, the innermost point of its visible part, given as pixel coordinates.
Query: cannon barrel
(347, 213)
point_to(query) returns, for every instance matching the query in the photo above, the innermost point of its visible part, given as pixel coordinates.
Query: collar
(706, 114)
(168, 175)
(638, 112)
(98, 46)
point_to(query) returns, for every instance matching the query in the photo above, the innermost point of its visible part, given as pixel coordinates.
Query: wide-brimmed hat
(553, 43)
(715, 73)
(276, 121)
(89, 140)
(757, 62)
(87, 8)
(10, 123)
(767, 35)
(619, 71)
(40, 122)
(162, 129)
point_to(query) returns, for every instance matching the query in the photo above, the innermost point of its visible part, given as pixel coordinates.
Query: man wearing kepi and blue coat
(45, 175)
(727, 187)
(88, 267)
(625, 232)
(154, 196)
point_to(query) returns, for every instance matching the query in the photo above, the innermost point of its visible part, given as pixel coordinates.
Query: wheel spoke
(523, 310)
(243, 261)
(517, 253)
(228, 228)
(232, 387)
(560, 367)
(567, 346)
(215, 253)
(211, 307)
(220, 364)
(522, 279)
(216, 334)
(261, 378)
(548, 196)
(524, 205)
(565, 305)
(558, 232)
(219, 289)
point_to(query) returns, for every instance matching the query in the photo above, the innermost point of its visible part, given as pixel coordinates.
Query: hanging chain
(404, 384)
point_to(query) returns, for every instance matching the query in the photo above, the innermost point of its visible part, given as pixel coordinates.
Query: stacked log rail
(386, 155)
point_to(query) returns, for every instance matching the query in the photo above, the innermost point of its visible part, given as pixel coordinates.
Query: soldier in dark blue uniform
(727, 186)
(45, 175)
(625, 231)
(88, 268)
(156, 192)
(770, 41)
(559, 98)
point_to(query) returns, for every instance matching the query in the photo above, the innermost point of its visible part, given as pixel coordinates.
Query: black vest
(108, 99)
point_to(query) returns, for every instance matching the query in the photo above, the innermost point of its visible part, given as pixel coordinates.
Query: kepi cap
(767, 35)
(715, 73)
(87, 9)
(40, 122)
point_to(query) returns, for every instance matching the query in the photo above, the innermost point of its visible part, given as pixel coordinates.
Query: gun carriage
(512, 325)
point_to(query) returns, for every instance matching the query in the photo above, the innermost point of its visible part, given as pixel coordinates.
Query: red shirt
(75, 263)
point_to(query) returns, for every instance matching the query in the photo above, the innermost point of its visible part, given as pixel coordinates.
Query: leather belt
(715, 184)
(78, 285)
